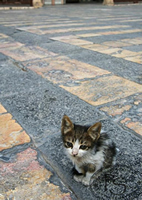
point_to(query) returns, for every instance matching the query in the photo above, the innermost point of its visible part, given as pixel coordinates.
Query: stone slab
(25, 178)
(11, 133)
(62, 69)
(107, 89)
(26, 53)
(38, 104)
(127, 112)
(118, 66)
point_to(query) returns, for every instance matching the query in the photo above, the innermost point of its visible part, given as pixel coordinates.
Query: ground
(82, 60)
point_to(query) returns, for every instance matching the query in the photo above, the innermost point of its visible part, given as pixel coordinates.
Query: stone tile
(82, 29)
(131, 31)
(116, 44)
(125, 53)
(77, 42)
(2, 109)
(111, 33)
(10, 45)
(95, 47)
(62, 69)
(132, 20)
(115, 110)
(27, 53)
(50, 26)
(110, 51)
(3, 35)
(127, 112)
(135, 41)
(71, 39)
(137, 59)
(136, 126)
(104, 89)
(89, 35)
(25, 178)
(66, 37)
(11, 133)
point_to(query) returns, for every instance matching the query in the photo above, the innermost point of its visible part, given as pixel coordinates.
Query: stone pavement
(83, 60)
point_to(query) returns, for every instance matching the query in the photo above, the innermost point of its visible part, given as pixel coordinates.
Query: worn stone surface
(50, 66)
(11, 133)
(63, 70)
(127, 112)
(2, 109)
(26, 178)
(26, 53)
(107, 89)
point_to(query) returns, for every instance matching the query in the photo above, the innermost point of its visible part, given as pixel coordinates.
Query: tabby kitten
(90, 151)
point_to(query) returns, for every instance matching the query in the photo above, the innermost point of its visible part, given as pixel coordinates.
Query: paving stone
(11, 133)
(77, 41)
(74, 29)
(134, 41)
(3, 36)
(89, 35)
(9, 45)
(127, 112)
(2, 109)
(107, 89)
(111, 84)
(115, 110)
(62, 69)
(116, 44)
(27, 53)
(95, 47)
(125, 53)
(26, 178)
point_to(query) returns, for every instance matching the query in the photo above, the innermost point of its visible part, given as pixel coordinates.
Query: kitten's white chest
(96, 159)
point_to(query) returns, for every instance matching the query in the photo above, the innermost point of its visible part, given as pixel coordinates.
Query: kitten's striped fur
(90, 151)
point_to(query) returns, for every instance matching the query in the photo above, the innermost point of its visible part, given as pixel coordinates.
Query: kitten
(90, 151)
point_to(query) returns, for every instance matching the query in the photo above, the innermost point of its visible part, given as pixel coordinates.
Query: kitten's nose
(74, 152)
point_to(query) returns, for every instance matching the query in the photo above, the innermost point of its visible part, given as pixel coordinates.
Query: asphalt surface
(82, 60)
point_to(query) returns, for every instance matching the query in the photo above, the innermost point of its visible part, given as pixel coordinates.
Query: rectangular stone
(89, 35)
(110, 51)
(3, 35)
(82, 29)
(9, 45)
(2, 109)
(116, 44)
(105, 89)
(125, 53)
(137, 59)
(95, 47)
(62, 69)
(27, 53)
(77, 42)
(11, 133)
(135, 41)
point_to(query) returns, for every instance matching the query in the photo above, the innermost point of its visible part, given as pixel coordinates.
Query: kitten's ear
(67, 125)
(94, 131)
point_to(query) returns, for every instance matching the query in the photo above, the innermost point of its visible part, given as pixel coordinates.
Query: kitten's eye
(83, 147)
(69, 144)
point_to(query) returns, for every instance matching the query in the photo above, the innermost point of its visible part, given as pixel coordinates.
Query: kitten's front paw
(78, 178)
(85, 181)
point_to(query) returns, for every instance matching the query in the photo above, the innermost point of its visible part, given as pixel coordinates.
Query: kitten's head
(78, 140)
